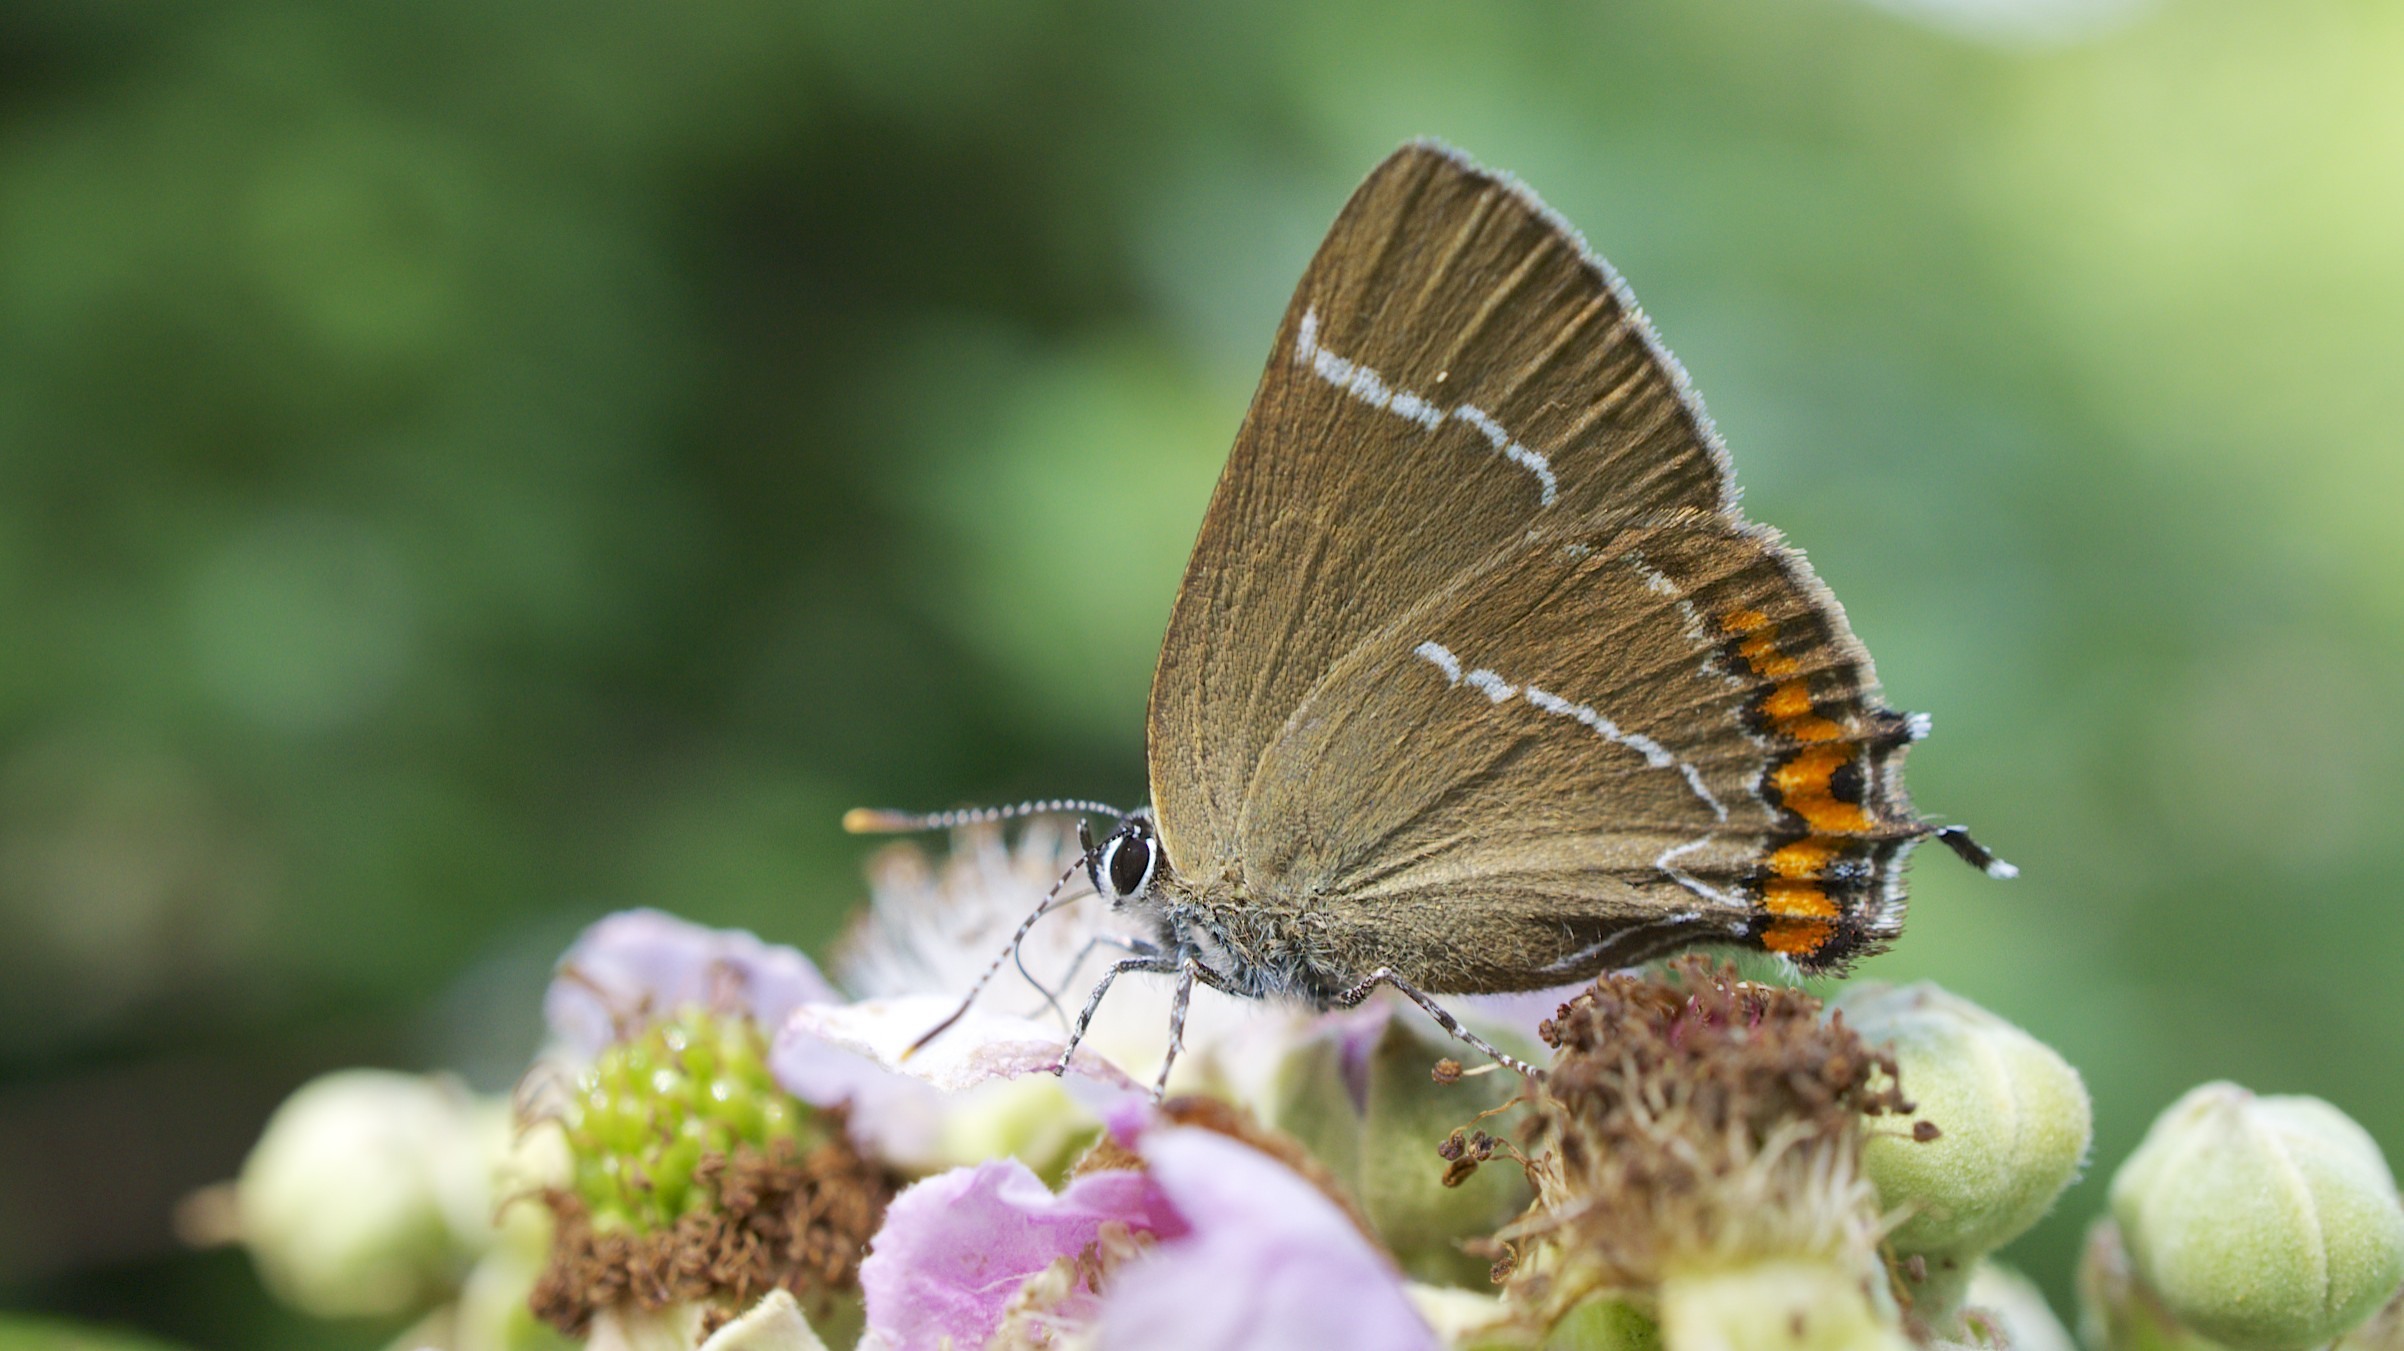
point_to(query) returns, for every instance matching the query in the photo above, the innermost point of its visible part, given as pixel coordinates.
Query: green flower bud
(2267, 1223)
(2001, 1126)
(1795, 1304)
(2118, 1314)
(2385, 1331)
(1360, 1094)
(370, 1192)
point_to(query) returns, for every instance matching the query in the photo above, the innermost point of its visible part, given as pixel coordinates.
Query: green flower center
(652, 1108)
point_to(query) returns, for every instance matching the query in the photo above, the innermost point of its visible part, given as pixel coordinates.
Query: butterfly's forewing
(1605, 741)
(1455, 371)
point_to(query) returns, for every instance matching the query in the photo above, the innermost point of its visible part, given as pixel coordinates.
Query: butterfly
(1479, 680)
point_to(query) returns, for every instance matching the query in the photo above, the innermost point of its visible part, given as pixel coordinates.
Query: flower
(1699, 1137)
(933, 929)
(1189, 1230)
(638, 965)
(698, 1183)
(958, 1249)
(931, 932)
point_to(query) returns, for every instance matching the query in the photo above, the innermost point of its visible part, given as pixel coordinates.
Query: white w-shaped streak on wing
(1499, 690)
(1371, 388)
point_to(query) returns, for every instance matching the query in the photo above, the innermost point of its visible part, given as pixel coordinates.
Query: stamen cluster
(1691, 1123)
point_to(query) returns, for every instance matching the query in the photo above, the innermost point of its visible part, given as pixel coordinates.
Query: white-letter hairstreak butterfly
(1478, 680)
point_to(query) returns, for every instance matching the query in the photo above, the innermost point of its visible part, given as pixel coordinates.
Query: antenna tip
(877, 821)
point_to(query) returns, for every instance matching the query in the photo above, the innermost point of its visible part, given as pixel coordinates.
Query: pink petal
(956, 1248)
(638, 965)
(1271, 1264)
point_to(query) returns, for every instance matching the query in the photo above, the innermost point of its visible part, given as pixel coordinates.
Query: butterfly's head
(1124, 864)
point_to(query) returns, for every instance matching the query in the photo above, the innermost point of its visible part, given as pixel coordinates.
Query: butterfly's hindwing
(1575, 745)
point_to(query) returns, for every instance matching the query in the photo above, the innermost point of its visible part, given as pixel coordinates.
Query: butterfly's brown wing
(1455, 370)
(1602, 743)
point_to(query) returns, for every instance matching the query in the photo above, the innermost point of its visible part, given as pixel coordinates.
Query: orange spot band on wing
(1802, 785)
(1797, 937)
(1788, 898)
(1787, 707)
(1763, 656)
(1804, 858)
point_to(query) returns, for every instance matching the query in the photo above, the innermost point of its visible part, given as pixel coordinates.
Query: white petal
(773, 1324)
(977, 1049)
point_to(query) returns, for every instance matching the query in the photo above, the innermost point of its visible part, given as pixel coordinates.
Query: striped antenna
(882, 821)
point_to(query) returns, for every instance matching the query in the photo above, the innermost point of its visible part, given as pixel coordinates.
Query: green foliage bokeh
(468, 467)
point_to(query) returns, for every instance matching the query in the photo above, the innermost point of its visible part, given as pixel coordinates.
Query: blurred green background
(467, 467)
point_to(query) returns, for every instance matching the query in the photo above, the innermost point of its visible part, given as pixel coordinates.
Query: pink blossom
(637, 965)
(1271, 1263)
(957, 1248)
(1246, 1254)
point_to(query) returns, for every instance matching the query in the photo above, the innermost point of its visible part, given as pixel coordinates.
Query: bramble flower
(635, 966)
(1188, 1230)
(697, 1183)
(1710, 1167)
(1697, 1141)
(963, 1251)
(931, 929)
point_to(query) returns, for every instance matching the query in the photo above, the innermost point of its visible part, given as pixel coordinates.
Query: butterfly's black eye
(1128, 860)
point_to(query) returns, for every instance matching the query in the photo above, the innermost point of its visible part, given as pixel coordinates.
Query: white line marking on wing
(1445, 661)
(1498, 690)
(1667, 863)
(1371, 388)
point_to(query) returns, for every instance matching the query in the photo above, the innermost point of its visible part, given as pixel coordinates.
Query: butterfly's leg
(1186, 969)
(1384, 975)
(1152, 961)
(1077, 964)
(1051, 900)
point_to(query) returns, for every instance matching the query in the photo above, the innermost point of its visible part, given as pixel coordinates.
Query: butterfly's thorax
(1257, 946)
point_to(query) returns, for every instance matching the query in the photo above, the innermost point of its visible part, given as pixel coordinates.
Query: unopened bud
(2262, 1222)
(2000, 1126)
(370, 1192)
(1360, 1095)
